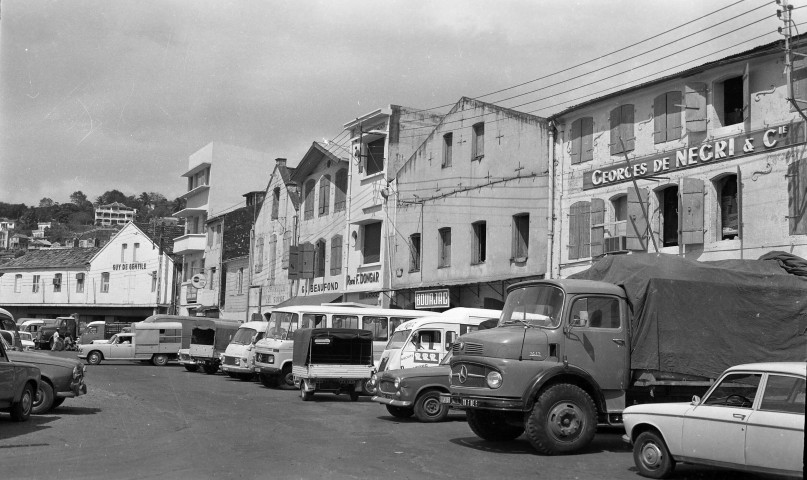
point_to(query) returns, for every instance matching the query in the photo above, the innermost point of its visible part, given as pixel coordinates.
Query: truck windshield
(398, 339)
(282, 323)
(243, 336)
(533, 305)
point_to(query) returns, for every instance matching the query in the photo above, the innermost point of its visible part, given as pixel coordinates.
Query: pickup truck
(18, 385)
(157, 342)
(571, 354)
(100, 331)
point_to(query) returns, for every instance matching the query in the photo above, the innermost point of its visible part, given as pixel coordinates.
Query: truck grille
(468, 375)
(228, 360)
(468, 348)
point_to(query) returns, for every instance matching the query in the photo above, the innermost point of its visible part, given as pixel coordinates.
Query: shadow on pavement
(73, 411)
(10, 429)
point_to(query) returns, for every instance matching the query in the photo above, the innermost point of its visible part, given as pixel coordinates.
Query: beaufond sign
(432, 299)
(713, 151)
(321, 287)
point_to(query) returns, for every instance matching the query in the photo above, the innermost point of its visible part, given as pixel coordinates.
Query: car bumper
(478, 401)
(235, 369)
(268, 370)
(75, 391)
(393, 402)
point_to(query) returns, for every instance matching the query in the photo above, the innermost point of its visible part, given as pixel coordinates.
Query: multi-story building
(380, 142)
(472, 204)
(114, 213)
(6, 229)
(127, 280)
(218, 175)
(707, 163)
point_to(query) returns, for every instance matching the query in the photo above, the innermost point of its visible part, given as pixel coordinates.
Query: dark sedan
(414, 391)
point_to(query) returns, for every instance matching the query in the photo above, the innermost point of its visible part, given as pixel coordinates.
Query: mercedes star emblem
(463, 376)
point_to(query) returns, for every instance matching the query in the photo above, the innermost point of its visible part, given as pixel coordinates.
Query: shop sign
(713, 151)
(432, 299)
(319, 287)
(363, 278)
(129, 266)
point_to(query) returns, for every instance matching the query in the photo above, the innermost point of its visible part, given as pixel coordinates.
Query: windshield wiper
(519, 321)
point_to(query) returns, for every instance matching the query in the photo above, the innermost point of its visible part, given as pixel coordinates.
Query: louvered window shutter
(614, 118)
(336, 255)
(692, 211)
(307, 253)
(587, 139)
(673, 115)
(584, 228)
(660, 119)
(576, 143)
(747, 97)
(636, 228)
(293, 262)
(695, 100)
(799, 79)
(597, 226)
(626, 127)
(797, 196)
(574, 233)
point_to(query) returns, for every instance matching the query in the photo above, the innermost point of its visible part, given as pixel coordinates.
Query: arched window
(336, 255)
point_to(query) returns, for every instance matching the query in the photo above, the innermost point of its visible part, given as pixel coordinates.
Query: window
(324, 195)
(35, 286)
(123, 253)
(444, 248)
(478, 142)
(736, 390)
(479, 242)
(783, 394)
(414, 252)
(620, 206)
(597, 312)
(79, 283)
(579, 231)
(375, 156)
(309, 199)
(105, 282)
(313, 320)
(729, 101)
(57, 283)
(341, 191)
(211, 234)
(212, 284)
(18, 283)
(667, 117)
(377, 325)
(284, 262)
(134, 252)
(218, 233)
(259, 255)
(428, 339)
(319, 258)
(621, 120)
(521, 237)
(336, 255)
(272, 257)
(448, 145)
(582, 140)
(728, 206)
(668, 207)
(345, 321)
(275, 202)
(239, 281)
(371, 243)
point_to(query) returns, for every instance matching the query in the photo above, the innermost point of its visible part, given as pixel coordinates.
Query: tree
(45, 203)
(111, 196)
(78, 198)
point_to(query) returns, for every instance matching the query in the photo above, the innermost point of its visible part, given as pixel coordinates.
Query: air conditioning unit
(616, 244)
(57, 281)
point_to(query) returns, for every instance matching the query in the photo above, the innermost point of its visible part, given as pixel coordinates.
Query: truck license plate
(445, 399)
(469, 402)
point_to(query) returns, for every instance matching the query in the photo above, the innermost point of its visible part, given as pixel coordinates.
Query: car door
(775, 437)
(715, 430)
(7, 377)
(123, 348)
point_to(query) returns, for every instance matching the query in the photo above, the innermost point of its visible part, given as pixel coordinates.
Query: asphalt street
(139, 421)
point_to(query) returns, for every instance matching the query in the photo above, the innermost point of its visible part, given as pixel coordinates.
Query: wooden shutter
(597, 226)
(293, 259)
(691, 213)
(695, 101)
(574, 234)
(799, 78)
(626, 127)
(660, 119)
(797, 196)
(286, 249)
(336, 255)
(324, 194)
(587, 139)
(575, 139)
(584, 224)
(636, 228)
(306, 251)
(746, 97)
(673, 115)
(614, 118)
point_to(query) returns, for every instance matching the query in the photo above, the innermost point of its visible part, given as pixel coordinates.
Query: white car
(751, 419)
(27, 341)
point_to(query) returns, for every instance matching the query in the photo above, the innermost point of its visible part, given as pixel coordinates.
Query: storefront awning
(311, 300)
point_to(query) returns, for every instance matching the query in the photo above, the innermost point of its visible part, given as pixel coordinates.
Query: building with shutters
(472, 205)
(717, 154)
(380, 142)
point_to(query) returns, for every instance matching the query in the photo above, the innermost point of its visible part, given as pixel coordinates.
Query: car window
(737, 390)
(783, 394)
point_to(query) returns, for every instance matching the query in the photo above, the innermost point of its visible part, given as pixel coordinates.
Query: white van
(238, 359)
(423, 342)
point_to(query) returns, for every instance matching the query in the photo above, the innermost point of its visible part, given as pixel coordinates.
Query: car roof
(795, 368)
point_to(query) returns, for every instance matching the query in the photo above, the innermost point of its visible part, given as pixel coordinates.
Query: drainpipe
(550, 267)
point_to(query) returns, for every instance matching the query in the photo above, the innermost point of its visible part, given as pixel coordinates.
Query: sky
(98, 95)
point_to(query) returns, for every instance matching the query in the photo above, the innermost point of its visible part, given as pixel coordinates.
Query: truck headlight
(397, 383)
(373, 380)
(494, 379)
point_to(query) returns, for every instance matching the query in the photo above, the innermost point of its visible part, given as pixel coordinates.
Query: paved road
(140, 422)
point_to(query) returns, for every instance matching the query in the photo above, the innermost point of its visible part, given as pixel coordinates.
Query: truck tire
(43, 399)
(191, 368)
(428, 407)
(563, 420)
(94, 357)
(210, 368)
(286, 377)
(400, 412)
(651, 456)
(21, 410)
(492, 426)
(159, 360)
(306, 396)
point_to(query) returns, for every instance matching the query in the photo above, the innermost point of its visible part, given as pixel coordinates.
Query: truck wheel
(306, 396)
(563, 420)
(210, 369)
(492, 426)
(286, 377)
(94, 357)
(21, 410)
(43, 399)
(191, 368)
(651, 456)
(400, 412)
(159, 360)
(429, 409)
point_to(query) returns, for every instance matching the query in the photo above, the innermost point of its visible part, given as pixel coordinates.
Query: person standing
(55, 340)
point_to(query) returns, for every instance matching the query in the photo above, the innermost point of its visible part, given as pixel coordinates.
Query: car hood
(677, 408)
(42, 359)
(418, 372)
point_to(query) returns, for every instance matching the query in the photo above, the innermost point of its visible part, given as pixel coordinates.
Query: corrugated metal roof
(61, 258)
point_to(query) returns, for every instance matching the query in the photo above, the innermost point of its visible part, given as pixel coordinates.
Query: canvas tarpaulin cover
(699, 318)
(346, 346)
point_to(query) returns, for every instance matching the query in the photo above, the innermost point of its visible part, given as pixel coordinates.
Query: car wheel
(651, 456)
(191, 368)
(43, 400)
(493, 426)
(159, 360)
(21, 410)
(400, 412)
(306, 396)
(563, 420)
(428, 407)
(94, 357)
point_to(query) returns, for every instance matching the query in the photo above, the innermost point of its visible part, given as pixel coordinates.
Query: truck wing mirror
(696, 400)
(578, 321)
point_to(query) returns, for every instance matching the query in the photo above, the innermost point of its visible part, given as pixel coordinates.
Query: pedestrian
(55, 341)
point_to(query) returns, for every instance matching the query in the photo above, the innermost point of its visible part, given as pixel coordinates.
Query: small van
(238, 359)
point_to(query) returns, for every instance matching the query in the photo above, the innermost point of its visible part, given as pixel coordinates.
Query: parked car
(8, 324)
(61, 378)
(18, 384)
(27, 341)
(414, 391)
(751, 419)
